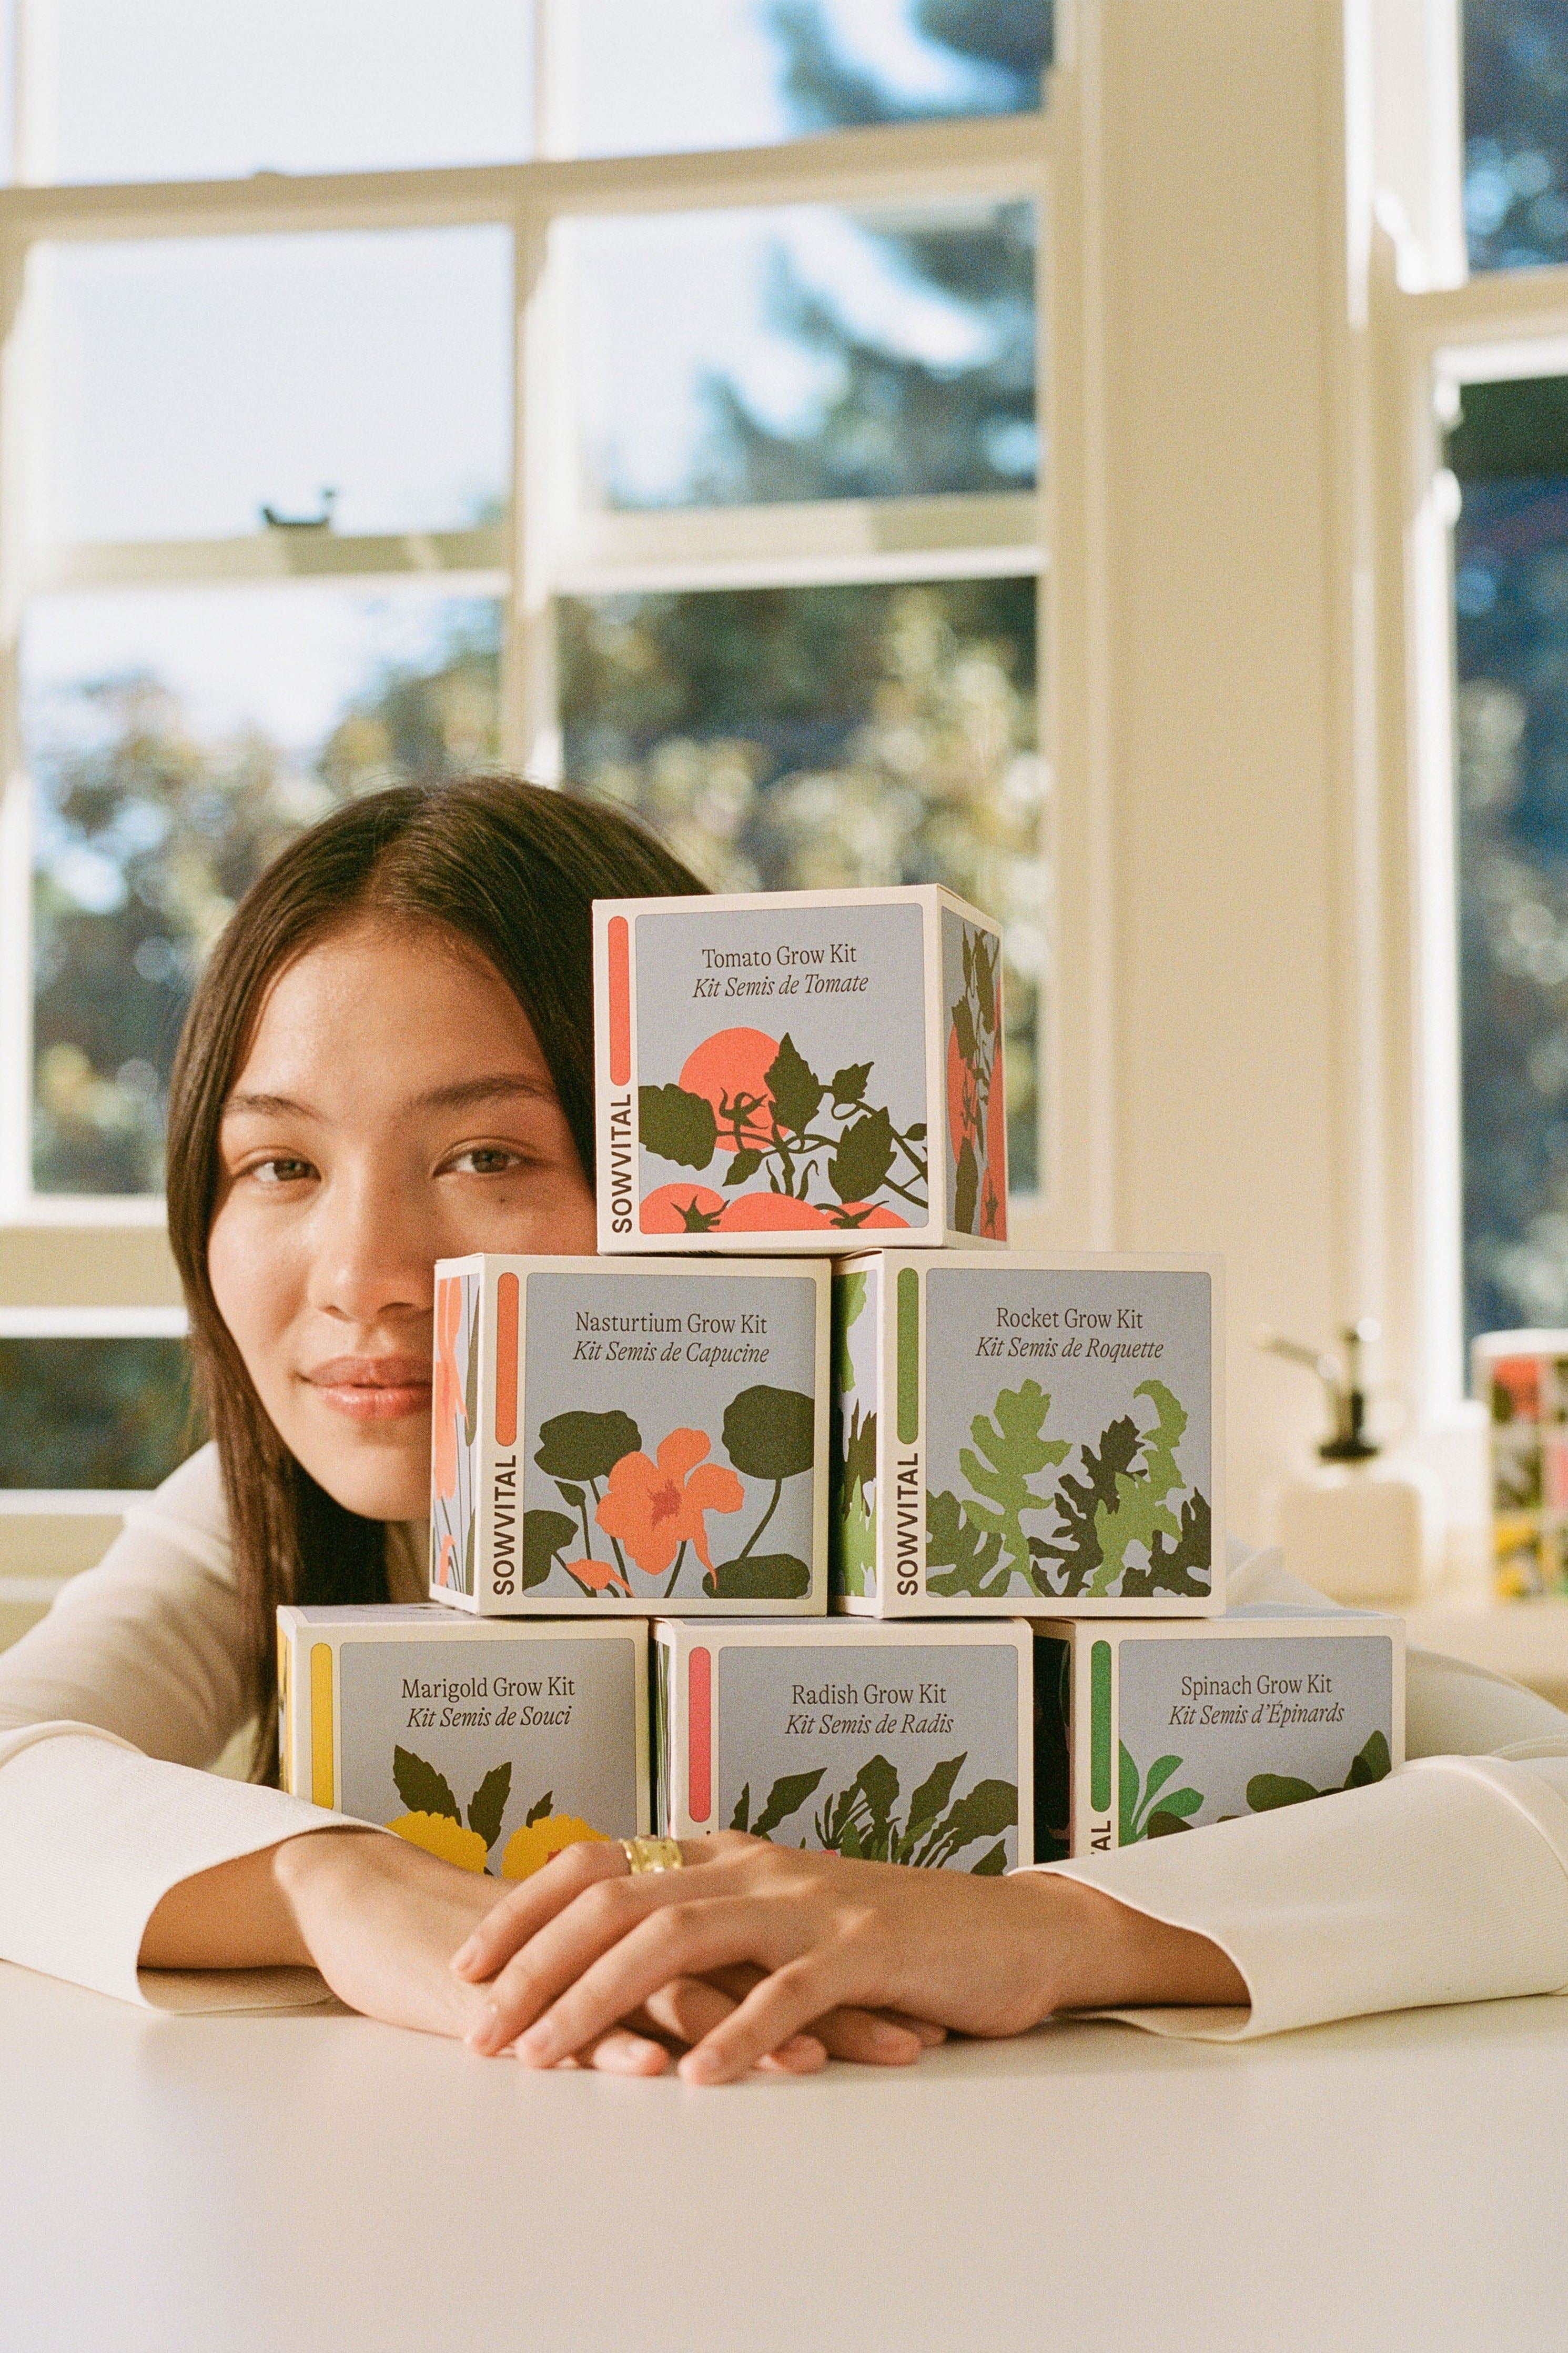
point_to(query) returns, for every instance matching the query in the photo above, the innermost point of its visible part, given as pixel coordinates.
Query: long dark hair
(513, 870)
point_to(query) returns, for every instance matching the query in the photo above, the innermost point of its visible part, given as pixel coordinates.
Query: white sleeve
(1448, 1882)
(136, 1676)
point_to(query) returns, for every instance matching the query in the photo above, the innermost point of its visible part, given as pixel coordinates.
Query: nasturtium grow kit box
(1038, 1433)
(493, 1744)
(630, 1435)
(906, 1744)
(1144, 1730)
(785, 1069)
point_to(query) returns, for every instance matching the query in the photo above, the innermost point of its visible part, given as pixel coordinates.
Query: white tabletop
(309, 2180)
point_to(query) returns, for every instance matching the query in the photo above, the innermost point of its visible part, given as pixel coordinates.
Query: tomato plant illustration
(434, 1822)
(861, 1820)
(819, 1142)
(454, 1427)
(682, 1209)
(973, 1083)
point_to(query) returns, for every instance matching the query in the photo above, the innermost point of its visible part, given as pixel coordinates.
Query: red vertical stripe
(699, 1734)
(506, 1359)
(620, 962)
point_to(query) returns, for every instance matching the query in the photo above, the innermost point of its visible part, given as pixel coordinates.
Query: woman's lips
(373, 1388)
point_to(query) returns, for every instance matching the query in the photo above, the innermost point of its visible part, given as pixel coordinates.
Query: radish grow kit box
(908, 1744)
(1038, 1433)
(785, 1069)
(629, 1435)
(1143, 1731)
(491, 1745)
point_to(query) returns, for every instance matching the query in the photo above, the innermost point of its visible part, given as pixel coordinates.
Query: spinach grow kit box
(1142, 1731)
(630, 1435)
(493, 1745)
(907, 1743)
(1038, 1433)
(786, 1069)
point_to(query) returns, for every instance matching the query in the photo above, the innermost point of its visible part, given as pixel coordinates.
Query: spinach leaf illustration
(1135, 1798)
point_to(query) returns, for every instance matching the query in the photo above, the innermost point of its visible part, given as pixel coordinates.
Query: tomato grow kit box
(492, 1745)
(1026, 1432)
(907, 1743)
(1144, 1730)
(629, 1435)
(787, 1070)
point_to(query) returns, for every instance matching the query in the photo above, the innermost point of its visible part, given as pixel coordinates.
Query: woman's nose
(371, 1256)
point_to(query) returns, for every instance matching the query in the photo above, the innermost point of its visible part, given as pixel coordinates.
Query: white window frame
(546, 548)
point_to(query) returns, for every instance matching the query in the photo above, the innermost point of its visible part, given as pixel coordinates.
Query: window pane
(196, 381)
(93, 1413)
(1516, 133)
(177, 742)
(769, 72)
(733, 358)
(177, 89)
(810, 738)
(1510, 564)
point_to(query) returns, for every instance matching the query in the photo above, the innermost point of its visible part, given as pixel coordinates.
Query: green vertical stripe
(908, 1355)
(1100, 1727)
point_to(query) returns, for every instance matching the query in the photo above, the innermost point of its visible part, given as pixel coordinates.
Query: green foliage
(677, 1126)
(1141, 1511)
(545, 1536)
(848, 1087)
(852, 1532)
(852, 1521)
(1372, 1762)
(488, 1802)
(788, 1794)
(1123, 1503)
(966, 1554)
(1176, 1568)
(861, 1820)
(794, 1087)
(863, 1159)
(965, 1188)
(770, 1433)
(1135, 1800)
(758, 1576)
(539, 1811)
(1009, 1452)
(973, 1016)
(422, 1790)
(1074, 1542)
(1053, 1748)
(850, 1291)
(586, 1445)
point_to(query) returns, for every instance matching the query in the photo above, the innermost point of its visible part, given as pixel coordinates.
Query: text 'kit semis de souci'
(809, 1508)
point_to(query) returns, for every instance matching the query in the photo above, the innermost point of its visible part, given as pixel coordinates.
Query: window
(365, 426)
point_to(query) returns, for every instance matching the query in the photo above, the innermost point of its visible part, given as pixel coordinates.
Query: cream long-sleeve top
(1447, 1882)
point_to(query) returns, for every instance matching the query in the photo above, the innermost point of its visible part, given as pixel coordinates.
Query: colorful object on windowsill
(793, 1069)
(1521, 1377)
(490, 1743)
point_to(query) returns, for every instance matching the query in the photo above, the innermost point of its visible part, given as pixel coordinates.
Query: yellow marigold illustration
(530, 1849)
(439, 1834)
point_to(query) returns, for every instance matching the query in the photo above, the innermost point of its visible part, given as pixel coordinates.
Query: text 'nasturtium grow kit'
(493, 1745)
(1142, 1731)
(1028, 1433)
(786, 1069)
(632, 1435)
(908, 1744)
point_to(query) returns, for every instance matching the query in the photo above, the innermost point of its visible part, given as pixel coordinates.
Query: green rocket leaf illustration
(1183, 1567)
(788, 1794)
(488, 1801)
(1014, 1451)
(848, 1306)
(770, 1433)
(545, 1536)
(1140, 1512)
(794, 1085)
(421, 1788)
(586, 1445)
(677, 1125)
(1074, 1542)
(965, 1554)
(864, 1158)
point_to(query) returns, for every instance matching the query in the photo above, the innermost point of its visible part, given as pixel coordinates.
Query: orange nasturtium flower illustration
(447, 1401)
(653, 1508)
(598, 1574)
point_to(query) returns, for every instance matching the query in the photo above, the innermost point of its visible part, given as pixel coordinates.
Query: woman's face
(394, 1109)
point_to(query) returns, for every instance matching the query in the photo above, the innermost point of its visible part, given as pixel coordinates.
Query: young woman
(388, 1061)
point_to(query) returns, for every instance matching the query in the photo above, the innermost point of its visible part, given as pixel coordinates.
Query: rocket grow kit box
(493, 1745)
(1142, 1731)
(1026, 1433)
(784, 1070)
(632, 1435)
(909, 1744)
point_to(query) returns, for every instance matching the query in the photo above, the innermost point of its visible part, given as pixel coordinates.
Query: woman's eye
(281, 1170)
(484, 1160)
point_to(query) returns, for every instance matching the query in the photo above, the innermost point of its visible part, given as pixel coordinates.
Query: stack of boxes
(925, 1533)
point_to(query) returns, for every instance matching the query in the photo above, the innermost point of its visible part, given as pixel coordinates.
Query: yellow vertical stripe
(323, 1786)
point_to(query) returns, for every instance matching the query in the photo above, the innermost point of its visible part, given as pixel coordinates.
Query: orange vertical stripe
(506, 1359)
(699, 1734)
(620, 962)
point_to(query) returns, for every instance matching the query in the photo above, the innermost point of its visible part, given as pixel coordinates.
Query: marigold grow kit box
(630, 1435)
(784, 1070)
(907, 1743)
(1024, 1432)
(492, 1745)
(1523, 1378)
(1142, 1731)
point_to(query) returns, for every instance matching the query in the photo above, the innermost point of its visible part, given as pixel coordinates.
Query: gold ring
(653, 1854)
